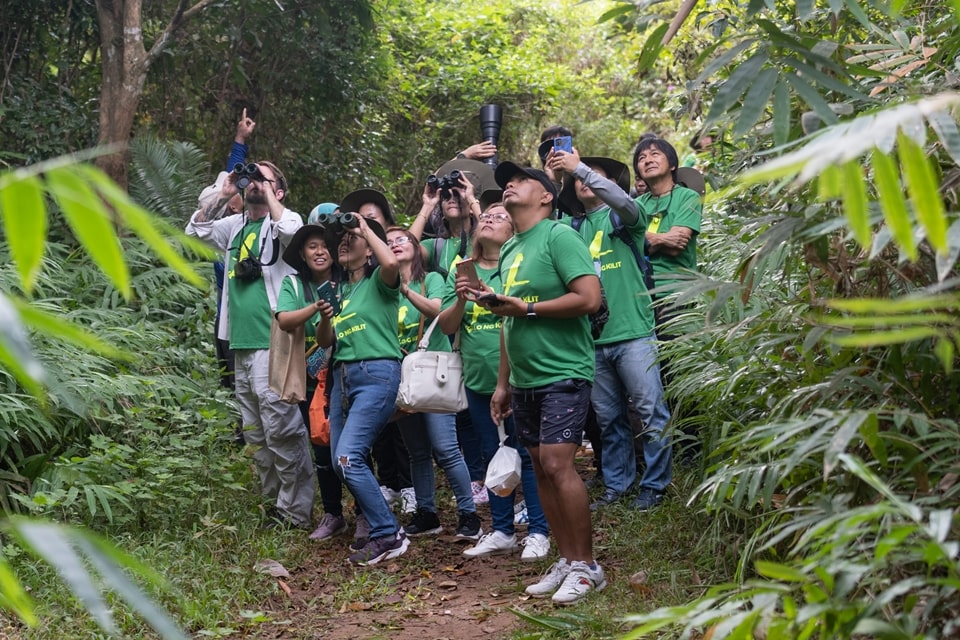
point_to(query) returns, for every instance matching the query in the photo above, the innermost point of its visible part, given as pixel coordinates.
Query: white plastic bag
(503, 472)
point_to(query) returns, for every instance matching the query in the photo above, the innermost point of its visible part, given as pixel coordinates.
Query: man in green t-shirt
(674, 212)
(252, 244)
(627, 374)
(546, 367)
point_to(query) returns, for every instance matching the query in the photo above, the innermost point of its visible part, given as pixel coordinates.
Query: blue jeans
(501, 509)
(435, 434)
(628, 379)
(363, 398)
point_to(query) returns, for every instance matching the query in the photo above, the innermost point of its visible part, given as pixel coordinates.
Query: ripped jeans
(363, 398)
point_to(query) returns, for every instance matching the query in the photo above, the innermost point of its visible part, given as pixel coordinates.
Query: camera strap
(263, 244)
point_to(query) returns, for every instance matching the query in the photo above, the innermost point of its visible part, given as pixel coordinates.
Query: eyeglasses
(493, 217)
(399, 241)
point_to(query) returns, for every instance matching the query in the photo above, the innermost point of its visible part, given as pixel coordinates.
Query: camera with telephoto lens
(248, 269)
(445, 184)
(338, 222)
(244, 173)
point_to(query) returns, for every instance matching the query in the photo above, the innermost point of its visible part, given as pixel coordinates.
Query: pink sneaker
(479, 493)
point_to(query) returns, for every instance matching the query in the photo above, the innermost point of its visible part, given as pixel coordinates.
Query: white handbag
(503, 471)
(432, 381)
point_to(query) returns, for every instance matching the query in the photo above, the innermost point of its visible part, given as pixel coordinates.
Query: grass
(665, 557)
(208, 559)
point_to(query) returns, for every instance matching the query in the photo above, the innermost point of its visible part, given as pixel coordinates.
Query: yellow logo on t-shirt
(511, 280)
(244, 251)
(654, 224)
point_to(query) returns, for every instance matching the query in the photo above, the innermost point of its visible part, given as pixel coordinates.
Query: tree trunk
(125, 65)
(124, 73)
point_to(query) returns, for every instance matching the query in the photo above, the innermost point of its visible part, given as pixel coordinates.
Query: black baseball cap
(507, 170)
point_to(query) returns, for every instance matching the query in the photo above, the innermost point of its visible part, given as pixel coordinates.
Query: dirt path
(431, 592)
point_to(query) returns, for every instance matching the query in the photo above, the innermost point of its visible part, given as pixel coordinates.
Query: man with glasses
(252, 244)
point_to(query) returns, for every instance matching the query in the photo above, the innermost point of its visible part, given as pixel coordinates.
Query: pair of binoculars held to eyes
(338, 222)
(245, 173)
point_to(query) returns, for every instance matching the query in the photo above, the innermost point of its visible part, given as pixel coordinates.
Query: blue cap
(323, 207)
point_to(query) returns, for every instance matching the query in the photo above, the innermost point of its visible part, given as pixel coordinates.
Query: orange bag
(319, 413)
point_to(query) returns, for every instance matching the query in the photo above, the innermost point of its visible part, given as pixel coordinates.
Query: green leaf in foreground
(25, 218)
(66, 549)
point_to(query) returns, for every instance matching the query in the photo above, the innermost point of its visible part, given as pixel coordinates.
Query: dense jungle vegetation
(818, 362)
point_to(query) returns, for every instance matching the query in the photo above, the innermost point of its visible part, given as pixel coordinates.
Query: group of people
(558, 323)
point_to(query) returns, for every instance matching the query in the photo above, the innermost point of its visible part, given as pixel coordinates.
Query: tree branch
(180, 17)
(677, 21)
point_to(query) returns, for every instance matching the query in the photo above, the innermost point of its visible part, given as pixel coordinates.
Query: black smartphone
(467, 268)
(328, 293)
(563, 143)
(491, 300)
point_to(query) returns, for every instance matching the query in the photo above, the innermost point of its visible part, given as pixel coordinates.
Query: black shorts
(551, 414)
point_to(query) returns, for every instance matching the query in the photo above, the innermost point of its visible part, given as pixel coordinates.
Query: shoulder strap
(576, 222)
(423, 292)
(425, 341)
(438, 255)
(620, 231)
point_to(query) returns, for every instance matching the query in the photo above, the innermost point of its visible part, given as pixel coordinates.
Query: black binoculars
(444, 183)
(338, 222)
(245, 173)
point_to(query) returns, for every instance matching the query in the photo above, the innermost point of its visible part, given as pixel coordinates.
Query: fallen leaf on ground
(447, 584)
(272, 567)
(285, 587)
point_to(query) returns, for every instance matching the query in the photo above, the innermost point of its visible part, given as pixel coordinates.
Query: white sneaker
(536, 546)
(495, 543)
(408, 500)
(580, 581)
(551, 580)
(391, 496)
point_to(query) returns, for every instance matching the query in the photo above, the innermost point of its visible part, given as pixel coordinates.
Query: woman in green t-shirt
(298, 304)
(429, 434)
(480, 347)
(366, 375)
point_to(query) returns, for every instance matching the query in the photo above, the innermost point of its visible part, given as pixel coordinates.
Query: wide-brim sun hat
(291, 255)
(355, 199)
(692, 179)
(479, 173)
(615, 170)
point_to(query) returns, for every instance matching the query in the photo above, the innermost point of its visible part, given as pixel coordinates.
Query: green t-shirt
(536, 265)
(449, 254)
(366, 327)
(249, 306)
(408, 321)
(292, 297)
(631, 313)
(682, 208)
(479, 334)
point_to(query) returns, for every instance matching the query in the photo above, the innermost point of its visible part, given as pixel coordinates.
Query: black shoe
(648, 499)
(423, 523)
(609, 497)
(468, 528)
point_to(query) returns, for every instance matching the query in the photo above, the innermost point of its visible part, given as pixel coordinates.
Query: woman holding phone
(480, 348)
(298, 304)
(366, 375)
(429, 435)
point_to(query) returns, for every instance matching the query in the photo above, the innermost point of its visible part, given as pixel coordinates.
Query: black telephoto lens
(491, 119)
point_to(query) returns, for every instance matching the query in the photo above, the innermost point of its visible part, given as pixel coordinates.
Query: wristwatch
(530, 312)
